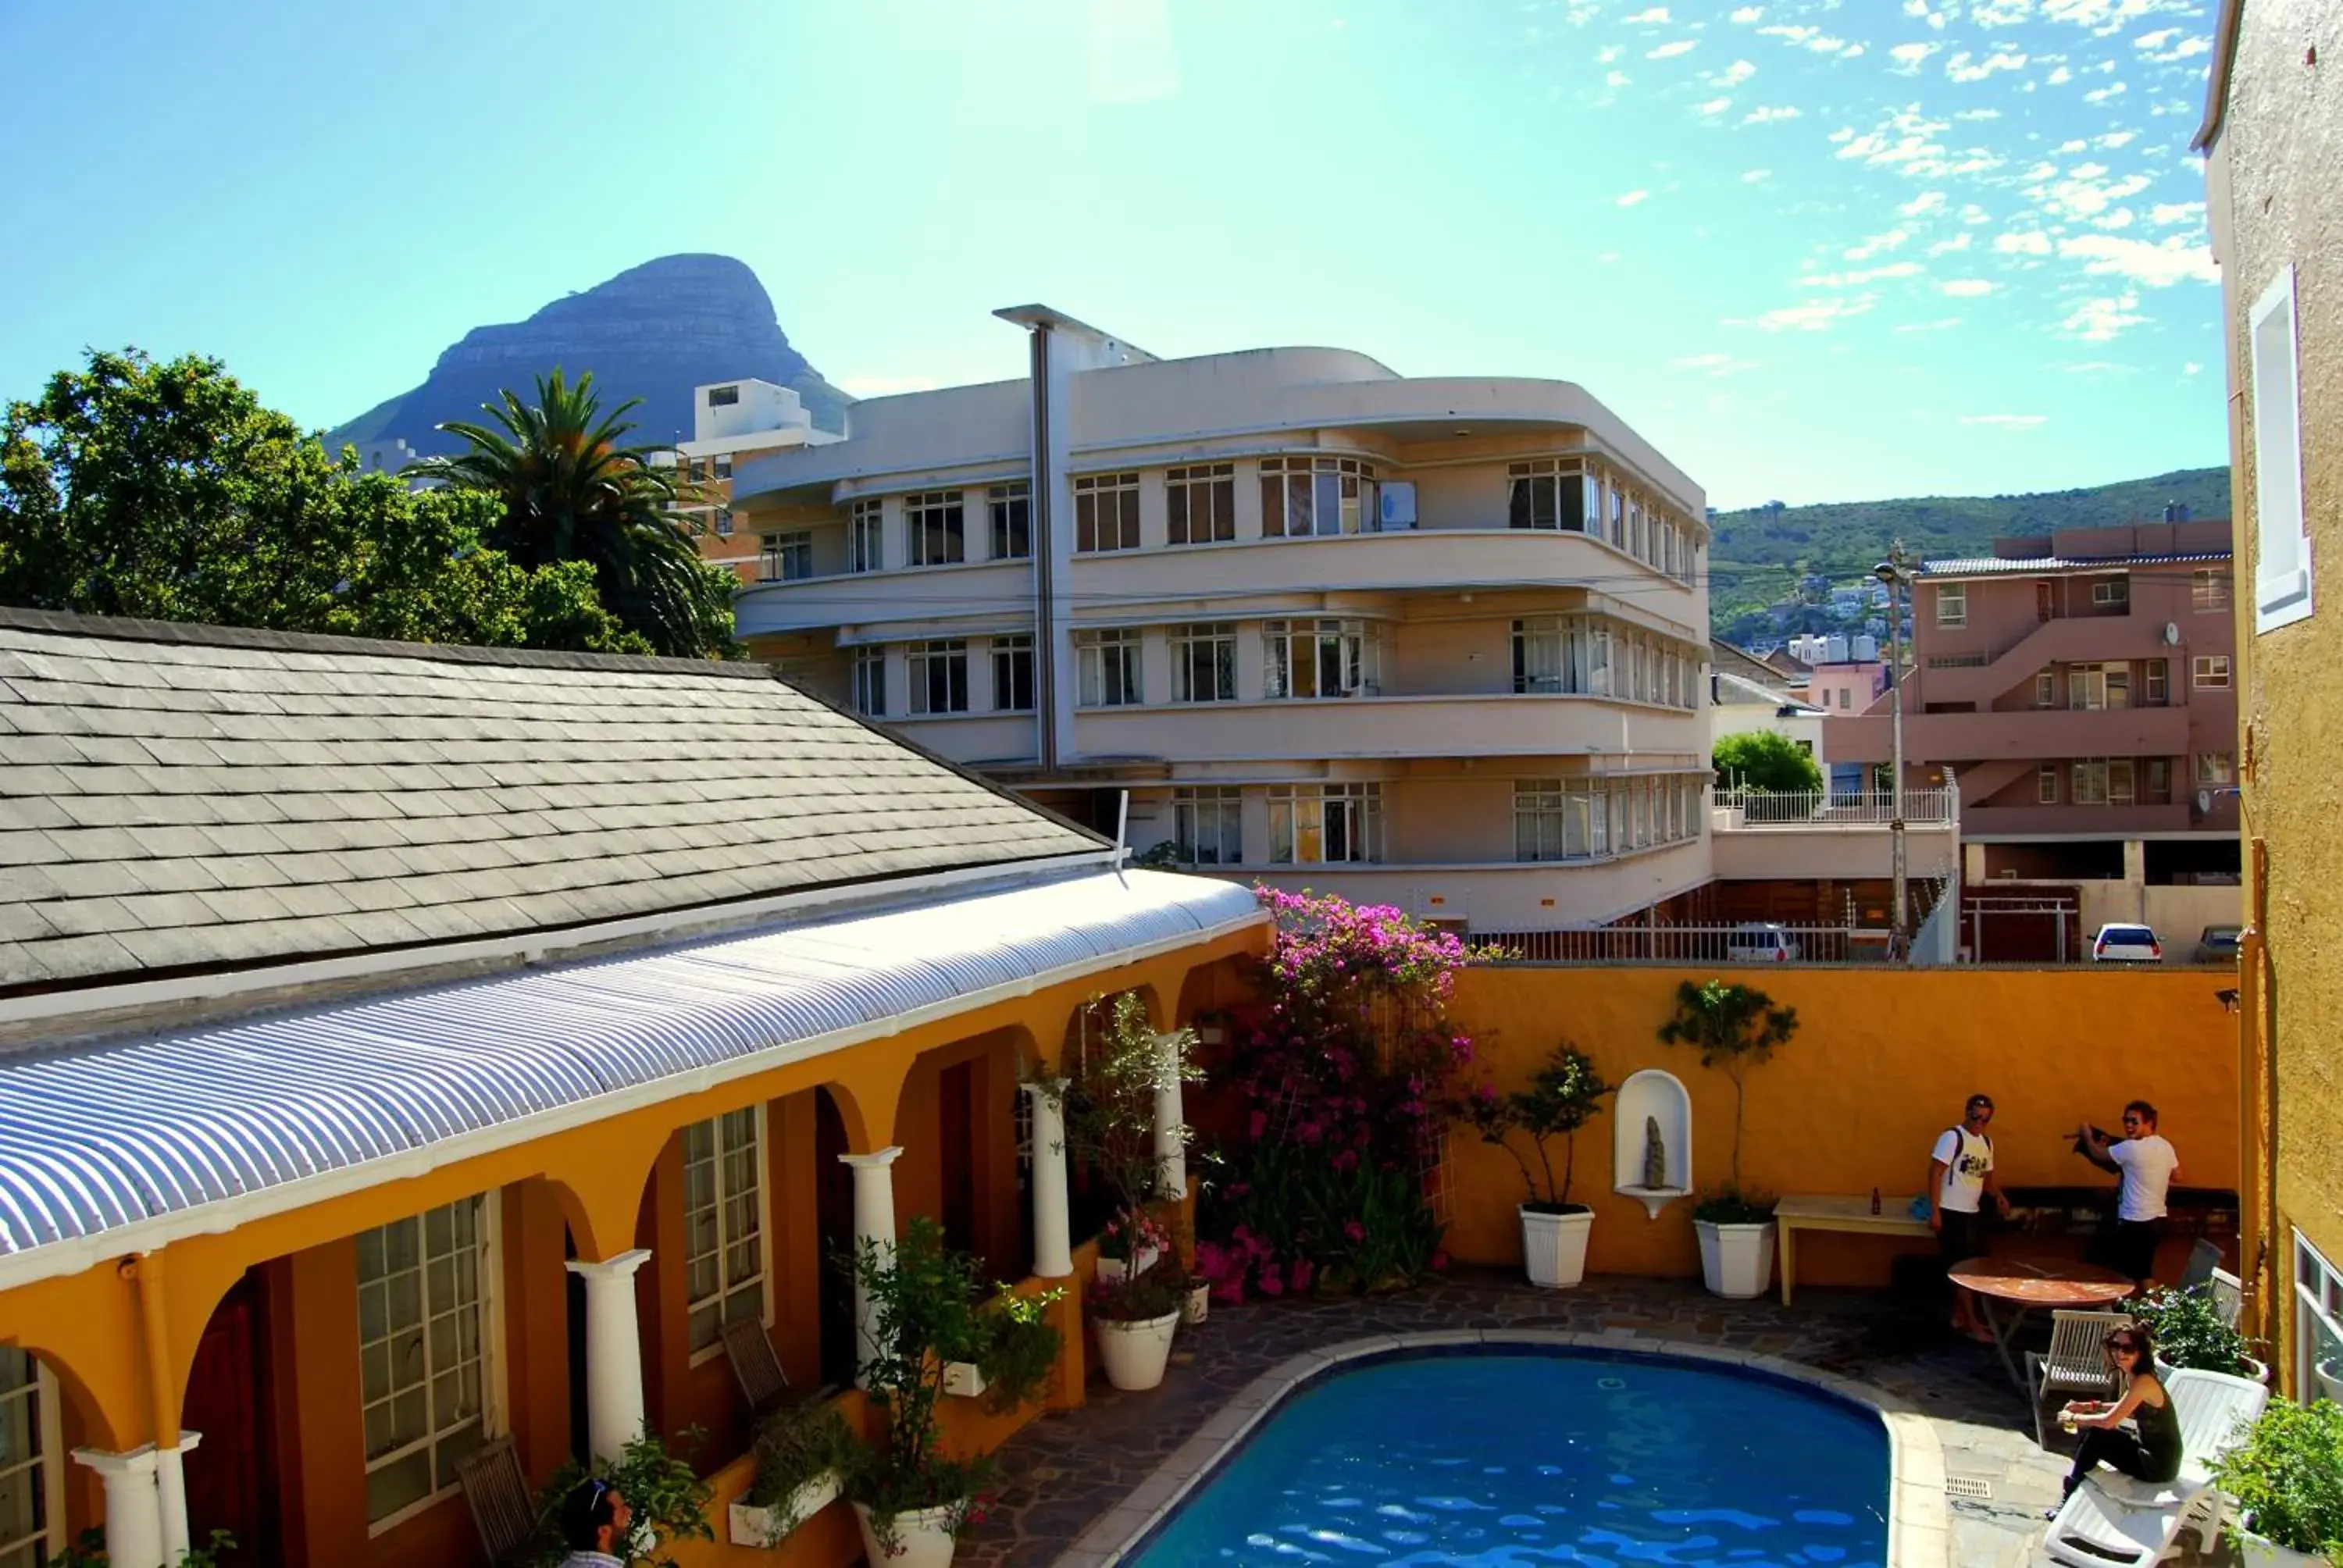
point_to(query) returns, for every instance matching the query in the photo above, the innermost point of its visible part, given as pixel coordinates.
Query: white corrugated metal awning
(1995, 566)
(126, 1143)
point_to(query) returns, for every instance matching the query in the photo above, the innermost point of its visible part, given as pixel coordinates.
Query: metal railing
(1832, 808)
(1750, 942)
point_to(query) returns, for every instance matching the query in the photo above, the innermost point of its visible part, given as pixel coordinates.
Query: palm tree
(571, 490)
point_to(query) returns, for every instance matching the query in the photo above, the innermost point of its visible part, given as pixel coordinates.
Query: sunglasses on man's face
(2131, 1122)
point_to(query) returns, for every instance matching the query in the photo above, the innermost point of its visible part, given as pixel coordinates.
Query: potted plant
(2190, 1331)
(1135, 1318)
(668, 1499)
(1562, 1097)
(2286, 1477)
(1014, 1348)
(1735, 1027)
(803, 1453)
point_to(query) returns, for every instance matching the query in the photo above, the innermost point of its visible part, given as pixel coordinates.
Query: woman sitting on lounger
(2152, 1452)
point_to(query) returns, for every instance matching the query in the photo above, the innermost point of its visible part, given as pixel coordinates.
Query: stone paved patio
(1061, 1474)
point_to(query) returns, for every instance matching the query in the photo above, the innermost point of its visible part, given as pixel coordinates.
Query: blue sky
(1814, 249)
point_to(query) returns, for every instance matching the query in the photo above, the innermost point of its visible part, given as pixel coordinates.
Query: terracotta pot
(1136, 1353)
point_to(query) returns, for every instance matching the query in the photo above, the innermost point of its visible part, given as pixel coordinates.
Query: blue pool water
(1614, 1462)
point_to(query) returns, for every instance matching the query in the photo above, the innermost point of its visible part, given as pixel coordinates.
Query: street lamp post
(1892, 573)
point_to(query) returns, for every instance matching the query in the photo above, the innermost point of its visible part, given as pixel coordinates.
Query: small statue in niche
(1655, 1155)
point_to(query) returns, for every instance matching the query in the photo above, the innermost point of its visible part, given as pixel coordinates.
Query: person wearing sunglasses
(1960, 1178)
(2148, 1164)
(2151, 1451)
(596, 1525)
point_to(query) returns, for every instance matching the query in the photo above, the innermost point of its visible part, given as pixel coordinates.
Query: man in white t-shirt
(1960, 1177)
(2148, 1164)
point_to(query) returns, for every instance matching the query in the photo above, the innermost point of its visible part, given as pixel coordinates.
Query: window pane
(399, 1484)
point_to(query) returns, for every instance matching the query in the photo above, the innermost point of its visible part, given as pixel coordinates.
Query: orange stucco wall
(1881, 1063)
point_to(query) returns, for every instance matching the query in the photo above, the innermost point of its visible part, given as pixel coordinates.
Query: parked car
(1760, 942)
(2218, 945)
(2126, 944)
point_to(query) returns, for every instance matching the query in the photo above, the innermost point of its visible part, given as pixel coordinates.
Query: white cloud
(2156, 40)
(1748, 14)
(1617, 80)
(1793, 35)
(1715, 364)
(1607, 258)
(1733, 75)
(1972, 212)
(2005, 421)
(2101, 95)
(1671, 50)
(1961, 67)
(1607, 54)
(1966, 288)
(2102, 319)
(2060, 78)
(1766, 114)
(2076, 146)
(2191, 367)
(1948, 247)
(2096, 368)
(1815, 317)
(1926, 202)
(1999, 13)
(1656, 14)
(1714, 107)
(1860, 276)
(2118, 139)
(1753, 177)
(1632, 198)
(2030, 241)
(1874, 244)
(2121, 217)
(2172, 211)
(1907, 57)
(1946, 324)
(2158, 266)
(1976, 114)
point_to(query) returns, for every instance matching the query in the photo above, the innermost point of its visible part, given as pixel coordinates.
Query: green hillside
(1760, 553)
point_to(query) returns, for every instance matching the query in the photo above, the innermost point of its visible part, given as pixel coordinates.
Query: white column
(1054, 1253)
(614, 1353)
(134, 1515)
(1170, 1118)
(874, 1221)
(171, 1495)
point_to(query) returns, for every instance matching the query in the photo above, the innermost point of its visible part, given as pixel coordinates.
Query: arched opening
(834, 1233)
(233, 1473)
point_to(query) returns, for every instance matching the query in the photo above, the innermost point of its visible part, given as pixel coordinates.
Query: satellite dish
(2204, 802)
(2172, 634)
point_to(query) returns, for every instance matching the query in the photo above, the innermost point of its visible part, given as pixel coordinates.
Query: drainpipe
(146, 1274)
(1041, 530)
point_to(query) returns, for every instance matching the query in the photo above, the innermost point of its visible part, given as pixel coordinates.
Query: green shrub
(2288, 1476)
(668, 1499)
(796, 1445)
(2189, 1331)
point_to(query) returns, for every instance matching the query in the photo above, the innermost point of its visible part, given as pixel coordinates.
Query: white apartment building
(1434, 642)
(734, 422)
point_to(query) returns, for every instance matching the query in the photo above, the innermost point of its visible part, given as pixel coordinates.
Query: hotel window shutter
(2282, 555)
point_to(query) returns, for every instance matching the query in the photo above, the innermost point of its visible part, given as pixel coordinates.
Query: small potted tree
(1562, 1097)
(804, 1452)
(1735, 1027)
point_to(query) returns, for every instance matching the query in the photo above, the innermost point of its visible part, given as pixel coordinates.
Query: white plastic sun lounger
(2115, 1521)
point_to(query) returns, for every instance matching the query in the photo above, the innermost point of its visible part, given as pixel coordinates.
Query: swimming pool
(1500, 1456)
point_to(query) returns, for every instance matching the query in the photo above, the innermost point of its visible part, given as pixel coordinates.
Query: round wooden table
(2011, 1288)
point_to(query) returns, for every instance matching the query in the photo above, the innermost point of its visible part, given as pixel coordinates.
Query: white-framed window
(1011, 508)
(2111, 594)
(723, 522)
(723, 396)
(1569, 654)
(1202, 501)
(2090, 780)
(2045, 688)
(2087, 686)
(1204, 662)
(723, 464)
(785, 558)
(1317, 658)
(2159, 682)
(2317, 1325)
(1846, 699)
(1106, 512)
(1951, 605)
(2208, 590)
(2216, 767)
(869, 688)
(1106, 668)
(32, 1461)
(724, 1224)
(866, 532)
(936, 522)
(938, 676)
(1548, 493)
(2209, 672)
(2281, 539)
(1552, 821)
(1207, 825)
(426, 1351)
(1012, 674)
(1325, 824)
(2156, 781)
(1304, 496)
(2045, 784)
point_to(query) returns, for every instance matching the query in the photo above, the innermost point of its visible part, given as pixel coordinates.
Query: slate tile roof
(177, 797)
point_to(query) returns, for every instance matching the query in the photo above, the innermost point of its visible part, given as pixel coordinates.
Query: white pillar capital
(614, 1352)
(134, 1512)
(877, 1160)
(1053, 1256)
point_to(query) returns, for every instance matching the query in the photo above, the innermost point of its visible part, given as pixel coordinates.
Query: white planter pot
(1116, 1269)
(747, 1526)
(1197, 1307)
(964, 1379)
(923, 1538)
(1736, 1261)
(2258, 1371)
(1553, 1247)
(1135, 1354)
(2329, 1375)
(2261, 1553)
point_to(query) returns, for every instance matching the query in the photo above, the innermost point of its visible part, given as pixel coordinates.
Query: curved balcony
(2045, 734)
(1374, 727)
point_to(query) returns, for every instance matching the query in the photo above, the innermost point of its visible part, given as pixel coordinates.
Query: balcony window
(1106, 513)
(1012, 507)
(2208, 591)
(1552, 822)
(1325, 824)
(2317, 1325)
(1204, 662)
(2111, 596)
(1318, 658)
(2090, 782)
(869, 682)
(723, 464)
(723, 522)
(425, 1364)
(1012, 674)
(2086, 687)
(2119, 781)
(1202, 499)
(2215, 767)
(695, 470)
(1106, 666)
(938, 677)
(1207, 825)
(1547, 493)
(865, 529)
(32, 1486)
(2045, 784)
(2045, 690)
(937, 523)
(2210, 672)
(1301, 496)
(723, 396)
(785, 558)
(1561, 654)
(2156, 781)
(2158, 679)
(1952, 605)
(723, 1224)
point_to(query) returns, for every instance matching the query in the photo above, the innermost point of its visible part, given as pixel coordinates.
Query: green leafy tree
(567, 487)
(1764, 759)
(1736, 1026)
(1564, 1095)
(168, 491)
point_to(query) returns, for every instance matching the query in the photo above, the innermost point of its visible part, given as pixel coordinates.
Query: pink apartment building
(2080, 690)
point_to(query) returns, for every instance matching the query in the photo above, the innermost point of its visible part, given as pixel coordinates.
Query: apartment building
(732, 423)
(1437, 642)
(2272, 141)
(2080, 689)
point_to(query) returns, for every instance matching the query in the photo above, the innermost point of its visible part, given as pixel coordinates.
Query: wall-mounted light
(2228, 996)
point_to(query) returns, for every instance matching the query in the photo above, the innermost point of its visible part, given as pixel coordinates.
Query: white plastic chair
(2228, 1296)
(2076, 1363)
(2115, 1521)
